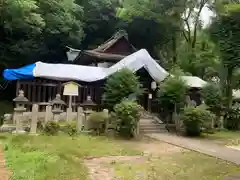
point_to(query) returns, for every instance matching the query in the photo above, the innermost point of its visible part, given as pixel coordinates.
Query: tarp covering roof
(65, 72)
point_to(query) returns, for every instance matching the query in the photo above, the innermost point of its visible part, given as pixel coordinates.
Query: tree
(225, 31)
(192, 20)
(100, 21)
(163, 18)
(64, 26)
(203, 60)
(119, 86)
(213, 98)
(34, 30)
(20, 22)
(171, 95)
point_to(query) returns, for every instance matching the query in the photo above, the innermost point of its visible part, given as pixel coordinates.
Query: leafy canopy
(172, 91)
(212, 96)
(119, 86)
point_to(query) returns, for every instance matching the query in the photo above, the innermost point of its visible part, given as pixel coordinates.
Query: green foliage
(119, 86)
(202, 60)
(37, 30)
(172, 91)
(98, 121)
(196, 118)
(213, 98)
(70, 128)
(127, 117)
(57, 157)
(51, 128)
(164, 18)
(233, 118)
(100, 21)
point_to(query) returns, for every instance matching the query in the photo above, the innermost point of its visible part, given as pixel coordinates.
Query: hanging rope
(4, 86)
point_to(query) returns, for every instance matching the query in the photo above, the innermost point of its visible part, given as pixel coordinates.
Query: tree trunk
(229, 88)
(174, 49)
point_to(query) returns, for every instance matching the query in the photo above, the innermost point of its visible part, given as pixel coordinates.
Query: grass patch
(178, 166)
(225, 137)
(56, 157)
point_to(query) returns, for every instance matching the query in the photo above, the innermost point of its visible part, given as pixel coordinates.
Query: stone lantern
(20, 102)
(88, 104)
(57, 107)
(88, 109)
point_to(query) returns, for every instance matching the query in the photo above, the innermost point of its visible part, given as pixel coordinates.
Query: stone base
(12, 127)
(19, 132)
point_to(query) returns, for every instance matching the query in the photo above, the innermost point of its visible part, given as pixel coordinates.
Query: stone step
(153, 131)
(151, 127)
(152, 124)
(148, 121)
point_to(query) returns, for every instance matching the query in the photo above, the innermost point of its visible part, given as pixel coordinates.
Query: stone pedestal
(18, 117)
(80, 118)
(86, 116)
(69, 115)
(56, 115)
(33, 128)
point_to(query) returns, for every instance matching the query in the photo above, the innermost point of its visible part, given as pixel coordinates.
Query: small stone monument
(33, 127)
(106, 112)
(48, 113)
(80, 118)
(19, 109)
(57, 105)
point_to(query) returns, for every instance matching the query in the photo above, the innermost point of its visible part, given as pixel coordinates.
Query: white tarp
(133, 62)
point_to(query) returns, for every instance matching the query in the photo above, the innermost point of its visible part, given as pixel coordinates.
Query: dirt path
(201, 146)
(98, 169)
(4, 172)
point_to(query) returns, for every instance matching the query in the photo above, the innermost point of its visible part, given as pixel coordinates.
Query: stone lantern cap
(89, 102)
(21, 98)
(58, 101)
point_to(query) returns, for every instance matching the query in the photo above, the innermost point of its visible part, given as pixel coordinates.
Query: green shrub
(196, 118)
(119, 86)
(127, 117)
(51, 128)
(40, 125)
(69, 128)
(213, 97)
(233, 118)
(97, 122)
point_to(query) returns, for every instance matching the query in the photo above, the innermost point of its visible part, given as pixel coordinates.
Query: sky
(206, 16)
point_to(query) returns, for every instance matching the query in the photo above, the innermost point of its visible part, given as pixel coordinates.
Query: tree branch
(196, 23)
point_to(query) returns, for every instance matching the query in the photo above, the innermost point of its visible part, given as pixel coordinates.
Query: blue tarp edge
(23, 73)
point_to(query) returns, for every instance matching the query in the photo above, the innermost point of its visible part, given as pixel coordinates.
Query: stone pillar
(33, 128)
(222, 122)
(48, 114)
(69, 114)
(106, 112)
(138, 129)
(80, 118)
